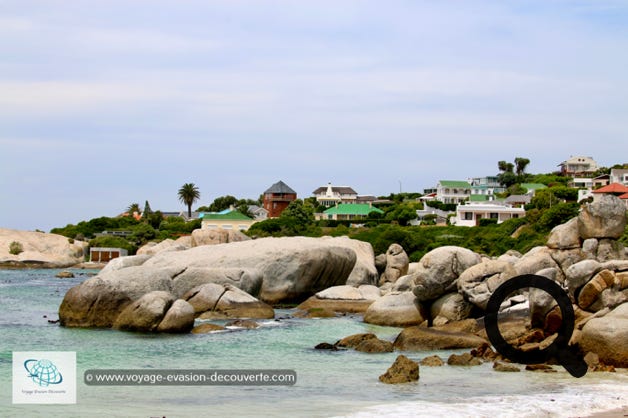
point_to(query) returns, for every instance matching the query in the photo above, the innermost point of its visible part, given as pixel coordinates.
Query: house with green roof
(453, 191)
(349, 211)
(226, 219)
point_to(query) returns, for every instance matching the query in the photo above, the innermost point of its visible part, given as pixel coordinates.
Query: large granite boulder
(152, 248)
(565, 236)
(344, 299)
(98, 301)
(450, 308)
(219, 301)
(395, 310)
(478, 282)
(439, 269)
(247, 279)
(292, 269)
(428, 339)
(364, 272)
(603, 218)
(608, 337)
(39, 249)
(146, 313)
(178, 319)
(396, 264)
(216, 236)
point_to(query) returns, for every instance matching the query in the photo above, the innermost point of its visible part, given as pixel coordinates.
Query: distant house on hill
(578, 166)
(453, 191)
(259, 213)
(226, 219)
(470, 213)
(349, 211)
(619, 175)
(332, 195)
(105, 254)
(277, 197)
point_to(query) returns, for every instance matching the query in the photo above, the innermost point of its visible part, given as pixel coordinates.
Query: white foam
(580, 400)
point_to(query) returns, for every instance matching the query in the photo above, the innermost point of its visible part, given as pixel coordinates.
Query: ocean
(329, 383)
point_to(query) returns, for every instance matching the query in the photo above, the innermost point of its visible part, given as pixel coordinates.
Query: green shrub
(15, 248)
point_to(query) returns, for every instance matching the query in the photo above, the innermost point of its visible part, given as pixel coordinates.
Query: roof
(623, 196)
(336, 189)
(280, 188)
(232, 215)
(533, 186)
(519, 198)
(479, 198)
(455, 183)
(352, 209)
(615, 188)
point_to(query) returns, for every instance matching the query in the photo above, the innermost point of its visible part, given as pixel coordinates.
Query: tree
(133, 208)
(188, 194)
(147, 210)
(521, 164)
(505, 167)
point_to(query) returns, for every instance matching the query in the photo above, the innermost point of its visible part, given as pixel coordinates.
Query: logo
(43, 372)
(44, 377)
(568, 356)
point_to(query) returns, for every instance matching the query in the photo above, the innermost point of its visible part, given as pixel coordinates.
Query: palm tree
(188, 194)
(133, 207)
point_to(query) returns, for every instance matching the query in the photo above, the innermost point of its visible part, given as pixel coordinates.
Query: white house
(453, 191)
(578, 166)
(332, 195)
(470, 213)
(619, 175)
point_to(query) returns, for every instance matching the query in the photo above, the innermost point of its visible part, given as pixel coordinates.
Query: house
(348, 211)
(259, 213)
(104, 254)
(452, 191)
(578, 166)
(616, 189)
(440, 216)
(332, 195)
(226, 219)
(518, 200)
(619, 175)
(277, 197)
(470, 213)
(488, 186)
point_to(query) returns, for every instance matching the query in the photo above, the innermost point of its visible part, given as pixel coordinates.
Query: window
(494, 215)
(515, 215)
(468, 216)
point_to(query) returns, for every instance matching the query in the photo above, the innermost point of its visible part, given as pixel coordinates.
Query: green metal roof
(478, 198)
(533, 186)
(352, 209)
(455, 183)
(233, 215)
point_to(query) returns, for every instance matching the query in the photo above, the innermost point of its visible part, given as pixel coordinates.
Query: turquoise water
(343, 383)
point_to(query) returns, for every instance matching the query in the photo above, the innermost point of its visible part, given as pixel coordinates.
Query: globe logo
(43, 372)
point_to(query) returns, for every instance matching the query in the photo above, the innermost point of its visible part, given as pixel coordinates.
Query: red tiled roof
(624, 196)
(612, 188)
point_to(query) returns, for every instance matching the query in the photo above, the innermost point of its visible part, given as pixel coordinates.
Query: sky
(108, 103)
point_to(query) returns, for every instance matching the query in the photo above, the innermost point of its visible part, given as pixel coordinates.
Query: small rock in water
(242, 323)
(403, 370)
(326, 346)
(65, 274)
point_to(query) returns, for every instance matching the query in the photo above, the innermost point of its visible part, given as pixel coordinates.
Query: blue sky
(106, 103)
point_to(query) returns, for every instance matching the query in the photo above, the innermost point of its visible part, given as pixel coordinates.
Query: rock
(178, 319)
(354, 340)
(604, 218)
(439, 269)
(432, 361)
(98, 301)
(425, 339)
(292, 268)
(242, 323)
(485, 352)
(608, 298)
(449, 308)
(592, 290)
(579, 274)
(396, 264)
(541, 304)
(469, 326)
(403, 284)
(478, 282)
(364, 272)
(315, 313)
(540, 368)
(343, 299)
(403, 370)
(591, 359)
(413, 268)
(374, 345)
(500, 366)
(65, 275)
(39, 249)
(608, 337)
(536, 259)
(380, 263)
(124, 262)
(621, 280)
(206, 328)
(247, 279)
(589, 248)
(146, 313)
(565, 259)
(395, 310)
(212, 300)
(325, 346)
(565, 236)
(464, 359)
(610, 249)
(152, 248)
(216, 236)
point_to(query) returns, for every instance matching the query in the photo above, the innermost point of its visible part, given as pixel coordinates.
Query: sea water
(329, 383)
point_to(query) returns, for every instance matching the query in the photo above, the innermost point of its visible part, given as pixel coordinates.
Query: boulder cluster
(224, 274)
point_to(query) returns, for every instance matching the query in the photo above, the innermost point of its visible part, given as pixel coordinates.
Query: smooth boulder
(608, 337)
(426, 339)
(395, 310)
(603, 218)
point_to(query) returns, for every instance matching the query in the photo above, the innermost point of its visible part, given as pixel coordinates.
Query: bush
(15, 248)
(114, 242)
